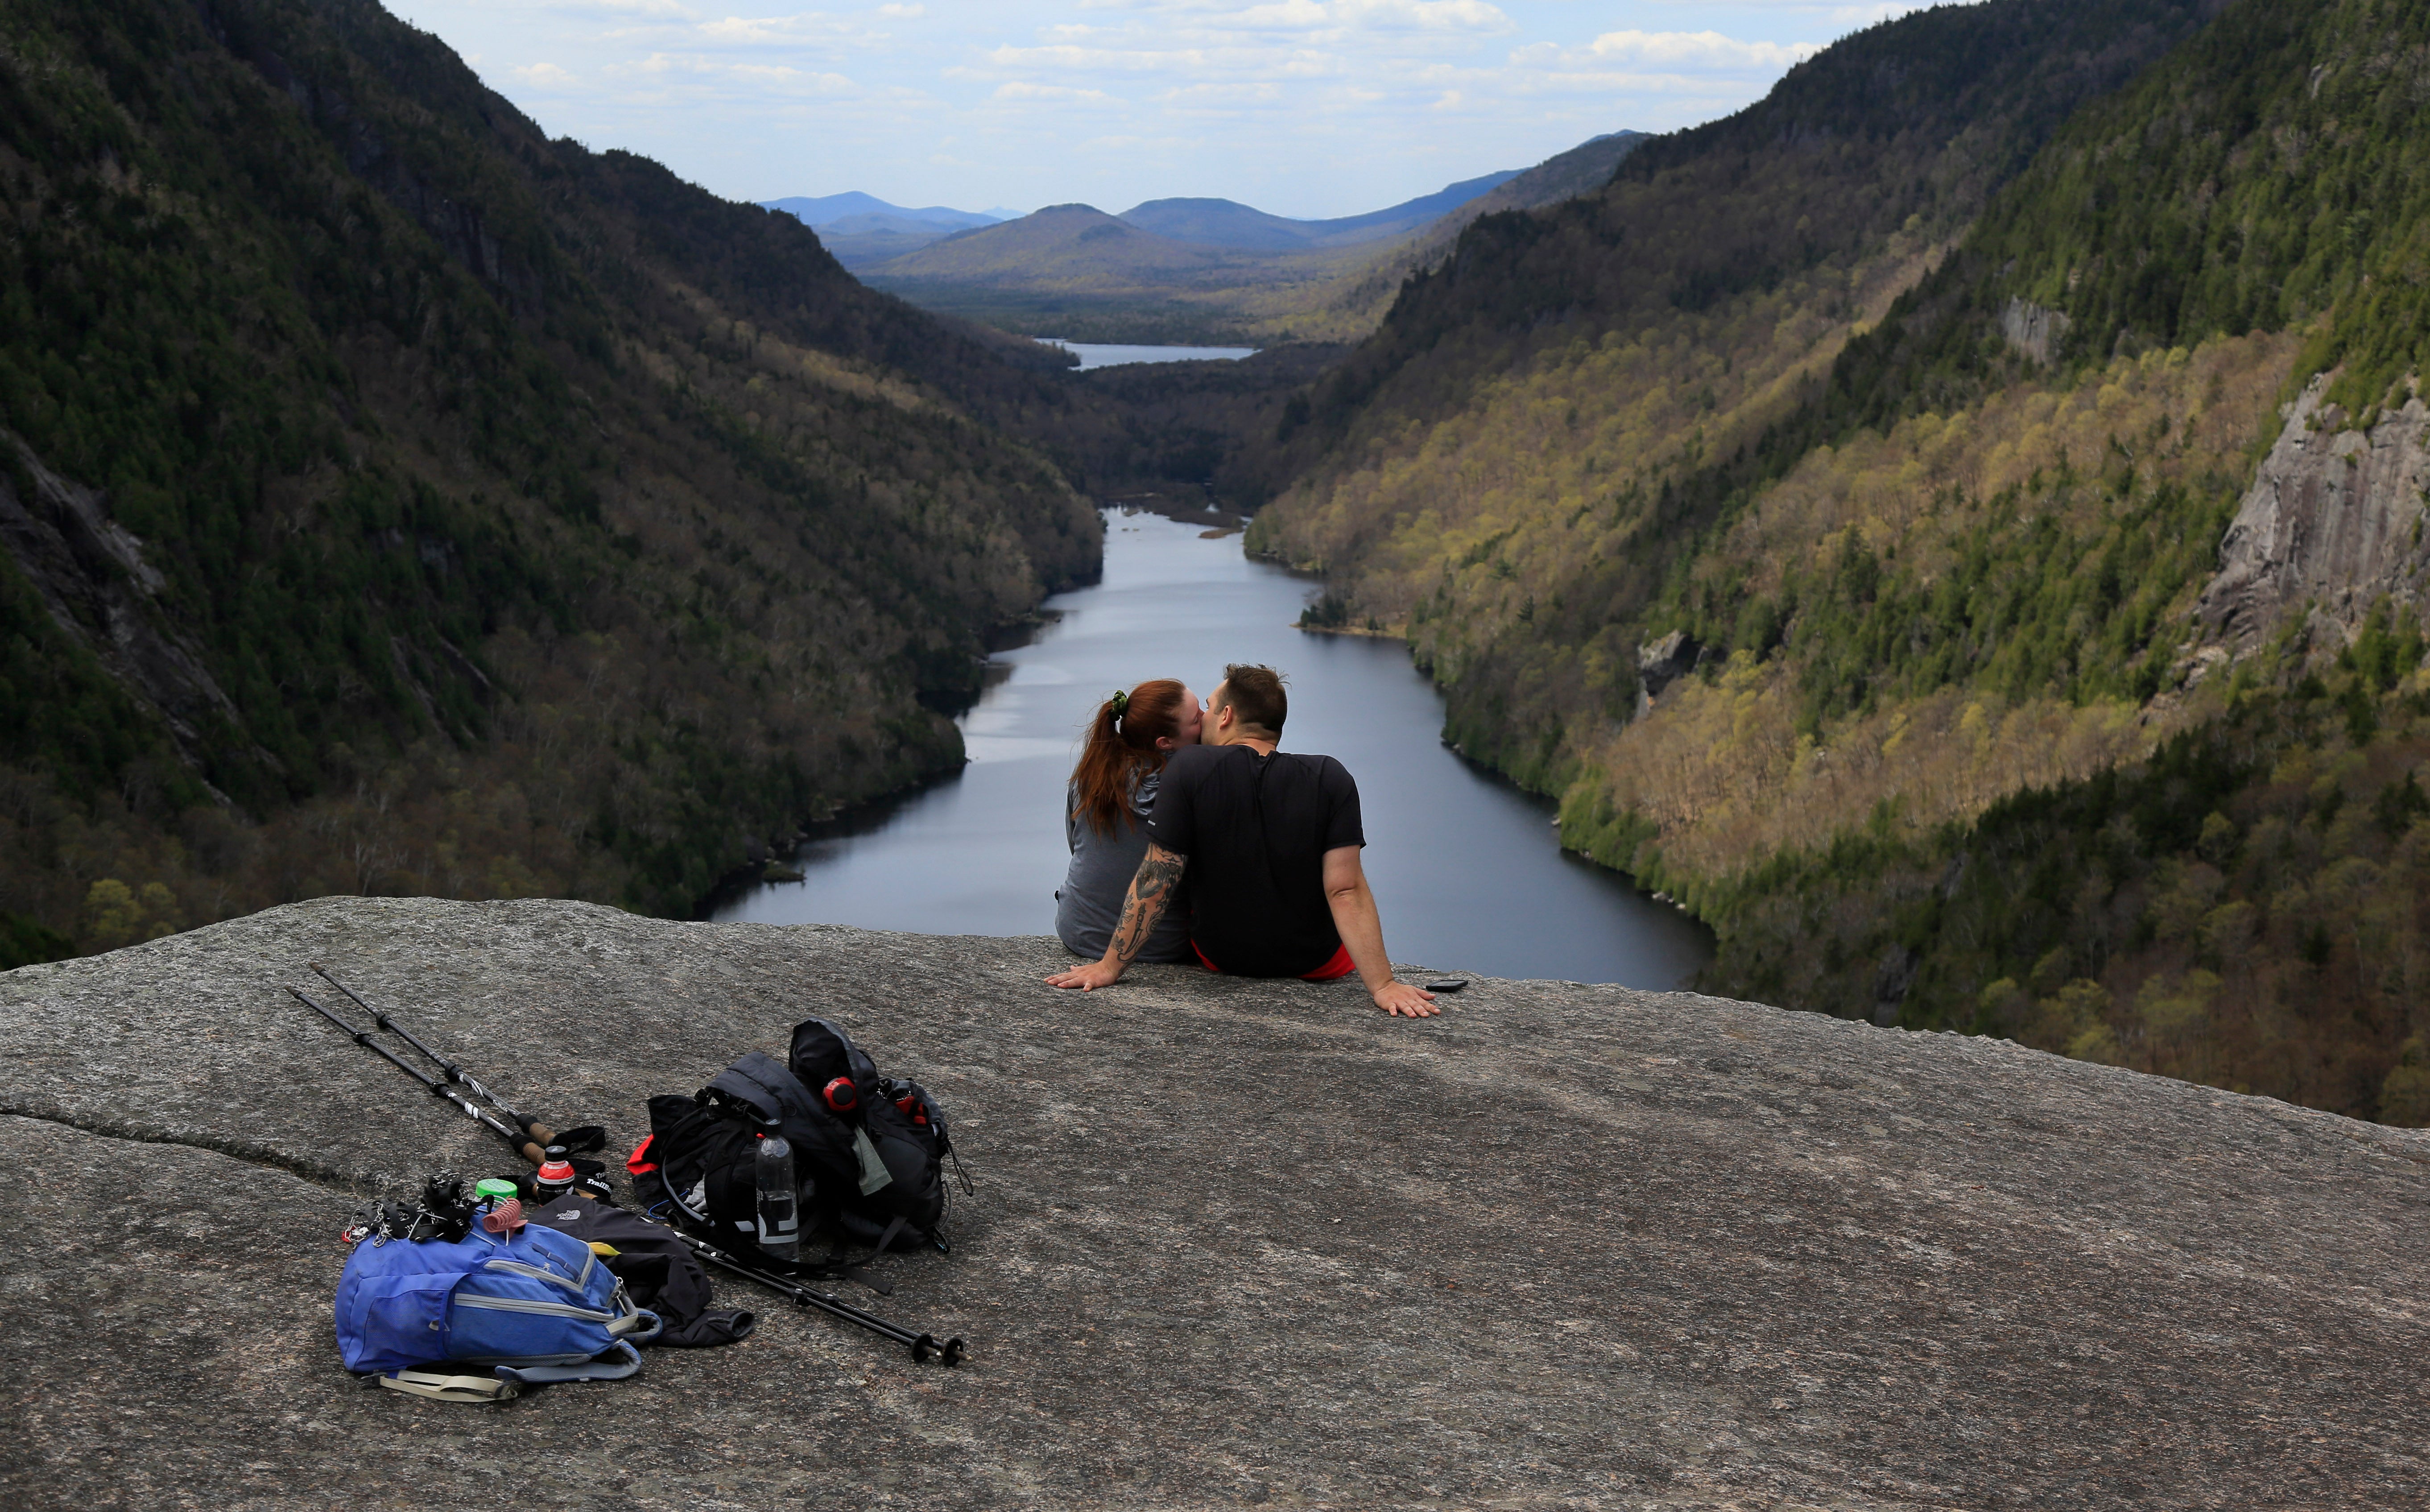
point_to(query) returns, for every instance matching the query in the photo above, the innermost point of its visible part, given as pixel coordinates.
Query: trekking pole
(920, 1345)
(532, 1153)
(538, 1132)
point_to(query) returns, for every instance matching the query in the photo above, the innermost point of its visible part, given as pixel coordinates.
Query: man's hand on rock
(1402, 1001)
(1089, 977)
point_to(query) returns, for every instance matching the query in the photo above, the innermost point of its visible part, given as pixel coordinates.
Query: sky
(1302, 107)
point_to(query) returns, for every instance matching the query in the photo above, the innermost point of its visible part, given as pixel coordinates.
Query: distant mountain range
(861, 229)
(851, 206)
(864, 231)
(1197, 270)
(1230, 224)
(1062, 242)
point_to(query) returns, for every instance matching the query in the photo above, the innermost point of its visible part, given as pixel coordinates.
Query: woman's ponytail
(1120, 748)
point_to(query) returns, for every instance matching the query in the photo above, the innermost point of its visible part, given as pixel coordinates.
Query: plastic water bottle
(780, 1214)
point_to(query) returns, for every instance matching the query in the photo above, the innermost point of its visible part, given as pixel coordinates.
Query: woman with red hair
(1104, 815)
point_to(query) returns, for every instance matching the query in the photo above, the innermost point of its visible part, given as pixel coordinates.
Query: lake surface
(1466, 871)
(1098, 355)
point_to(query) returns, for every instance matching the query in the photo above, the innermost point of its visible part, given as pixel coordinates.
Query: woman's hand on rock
(1088, 978)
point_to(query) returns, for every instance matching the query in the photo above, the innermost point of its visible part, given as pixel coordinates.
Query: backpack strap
(859, 1269)
(897, 1226)
(860, 1272)
(615, 1365)
(450, 1388)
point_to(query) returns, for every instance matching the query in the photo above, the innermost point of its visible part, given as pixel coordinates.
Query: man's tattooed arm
(1152, 890)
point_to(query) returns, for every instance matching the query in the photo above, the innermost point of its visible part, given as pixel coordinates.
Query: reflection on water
(1466, 869)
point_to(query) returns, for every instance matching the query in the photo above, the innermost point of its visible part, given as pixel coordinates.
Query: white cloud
(1018, 90)
(1351, 15)
(1254, 91)
(546, 75)
(1288, 15)
(808, 28)
(1076, 59)
(795, 79)
(1822, 10)
(621, 7)
(1698, 49)
(1428, 15)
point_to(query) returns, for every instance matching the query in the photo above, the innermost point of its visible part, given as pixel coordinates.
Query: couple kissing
(1194, 839)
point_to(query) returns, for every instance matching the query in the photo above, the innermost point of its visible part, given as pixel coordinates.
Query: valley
(1954, 526)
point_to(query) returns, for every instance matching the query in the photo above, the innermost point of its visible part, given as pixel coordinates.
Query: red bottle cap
(556, 1173)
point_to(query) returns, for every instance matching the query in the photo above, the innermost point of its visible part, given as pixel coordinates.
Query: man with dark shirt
(1275, 839)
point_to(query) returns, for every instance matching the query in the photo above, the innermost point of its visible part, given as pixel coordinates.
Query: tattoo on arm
(1152, 888)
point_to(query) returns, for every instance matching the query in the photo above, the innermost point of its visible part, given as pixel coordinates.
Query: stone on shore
(1233, 1243)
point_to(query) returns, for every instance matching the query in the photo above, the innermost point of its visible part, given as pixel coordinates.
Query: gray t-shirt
(1090, 903)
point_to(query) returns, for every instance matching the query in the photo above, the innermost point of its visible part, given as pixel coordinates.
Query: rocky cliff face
(2032, 329)
(2333, 521)
(1233, 1243)
(91, 576)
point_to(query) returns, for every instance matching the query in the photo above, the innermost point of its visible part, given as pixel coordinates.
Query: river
(1466, 871)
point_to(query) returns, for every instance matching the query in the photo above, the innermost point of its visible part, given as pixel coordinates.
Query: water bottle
(780, 1218)
(556, 1177)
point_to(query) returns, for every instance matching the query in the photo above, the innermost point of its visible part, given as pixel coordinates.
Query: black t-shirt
(1255, 830)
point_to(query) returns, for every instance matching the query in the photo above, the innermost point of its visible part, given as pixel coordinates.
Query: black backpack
(871, 1176)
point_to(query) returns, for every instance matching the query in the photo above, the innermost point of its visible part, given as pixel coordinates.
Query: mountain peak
(1223, 222)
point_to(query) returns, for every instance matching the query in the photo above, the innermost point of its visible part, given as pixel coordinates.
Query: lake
(1101, 356)
(1467, 870)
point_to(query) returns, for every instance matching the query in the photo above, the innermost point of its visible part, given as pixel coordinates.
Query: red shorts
(1338, 966)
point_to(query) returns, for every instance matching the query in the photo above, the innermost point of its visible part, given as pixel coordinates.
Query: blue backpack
(534, 1306)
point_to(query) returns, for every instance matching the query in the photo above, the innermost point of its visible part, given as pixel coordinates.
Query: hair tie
(1119, 704)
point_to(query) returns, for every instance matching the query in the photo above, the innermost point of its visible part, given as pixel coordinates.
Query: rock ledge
(1234, 1243)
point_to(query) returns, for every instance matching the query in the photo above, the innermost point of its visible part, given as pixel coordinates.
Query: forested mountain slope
(396, 500)
(1354, 303)
(1864, 156)
(1847, 580)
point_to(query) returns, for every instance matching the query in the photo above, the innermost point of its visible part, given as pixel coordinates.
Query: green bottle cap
(492, 1190)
